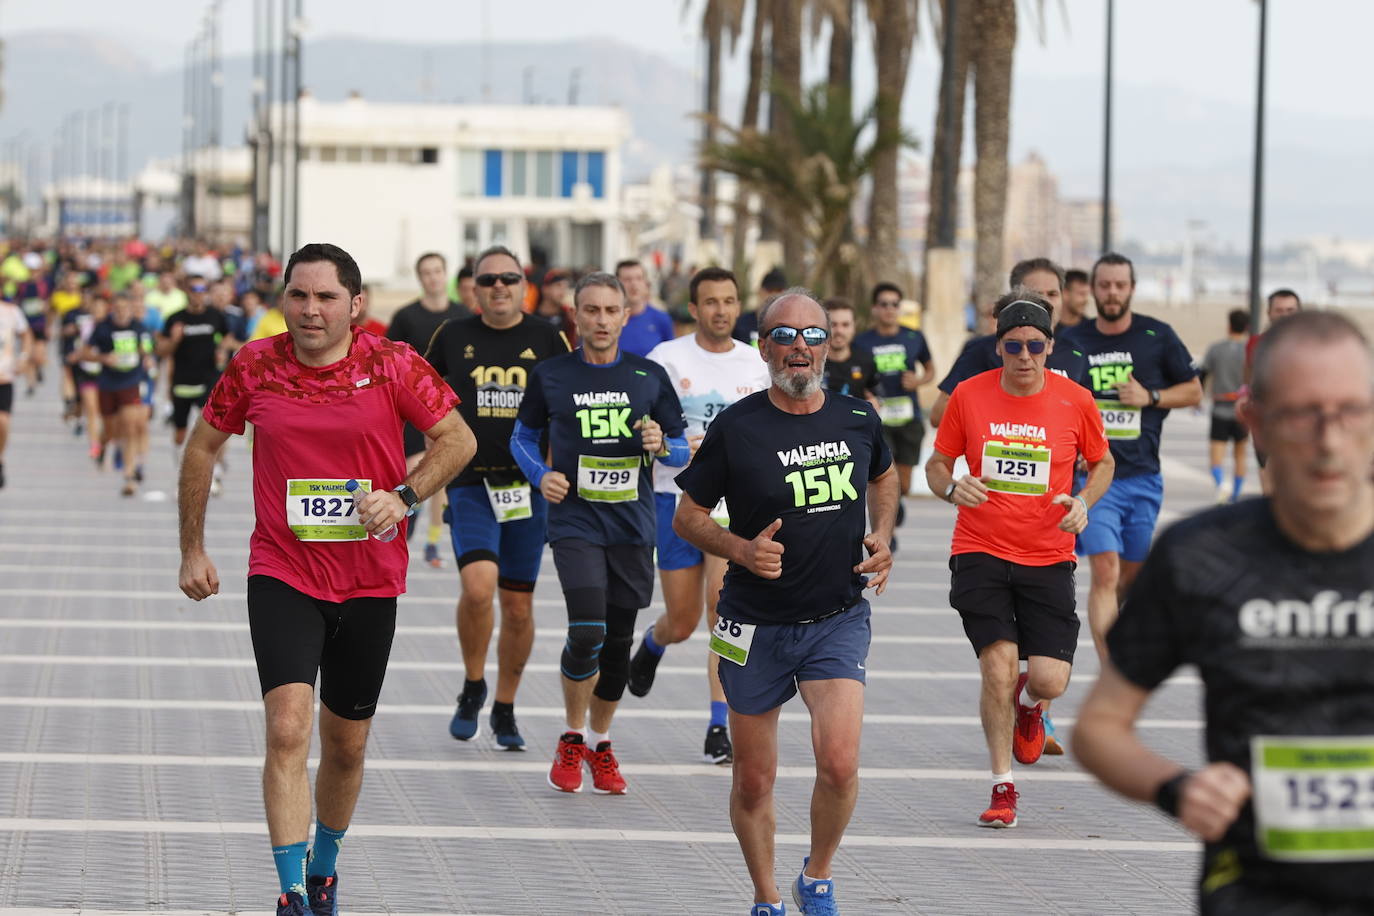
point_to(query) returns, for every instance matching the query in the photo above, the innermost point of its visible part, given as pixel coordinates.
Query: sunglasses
(785, 336)
(198, 288)
(1014, 346)
(508, 278)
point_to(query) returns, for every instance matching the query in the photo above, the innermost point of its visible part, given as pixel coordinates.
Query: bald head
(796, 307)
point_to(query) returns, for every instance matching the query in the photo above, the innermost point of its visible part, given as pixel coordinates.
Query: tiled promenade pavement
(131, 742)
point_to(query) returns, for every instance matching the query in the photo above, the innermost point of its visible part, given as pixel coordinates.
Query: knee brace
(586, 632)
(615, 655)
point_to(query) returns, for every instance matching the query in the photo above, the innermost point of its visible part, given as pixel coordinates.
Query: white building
(388, 182)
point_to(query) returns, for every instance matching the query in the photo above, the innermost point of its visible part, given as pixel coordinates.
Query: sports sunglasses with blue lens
(785, 335)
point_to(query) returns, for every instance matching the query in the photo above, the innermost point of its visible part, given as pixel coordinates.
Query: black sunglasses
(508, 278)
(784, 335)
(1014, 347)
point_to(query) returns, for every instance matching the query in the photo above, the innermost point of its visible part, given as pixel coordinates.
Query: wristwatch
(408, 496)
(1166, 796)
(949, 490)
(1154, 397)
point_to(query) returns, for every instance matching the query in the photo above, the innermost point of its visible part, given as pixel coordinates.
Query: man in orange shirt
(1012, 566)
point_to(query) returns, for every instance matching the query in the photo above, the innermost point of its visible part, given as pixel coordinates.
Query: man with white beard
(791, 615)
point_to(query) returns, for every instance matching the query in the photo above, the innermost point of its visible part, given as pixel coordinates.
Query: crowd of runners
(759, 461)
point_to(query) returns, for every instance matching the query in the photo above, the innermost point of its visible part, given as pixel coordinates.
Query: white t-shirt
(706, 383)
(202, 265)
(13, 324)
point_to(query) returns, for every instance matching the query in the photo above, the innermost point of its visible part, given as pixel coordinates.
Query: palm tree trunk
(840, 62)
(752, 96)
(787, 54)
(942, 141)
(894, 30)
(712, 26)
(992, 60)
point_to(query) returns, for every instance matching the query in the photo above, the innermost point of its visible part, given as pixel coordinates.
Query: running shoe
(292, 904)
(767, 909)
(129, 488)
(504, 728)
(1052, 746)
(216, 485)
(321, 893)
(432, 556)
(1028, 740)
(606, 777)
(642, 667)
(566, 774)
(816, 899)
(718, 748)
(464, 725)
(118, 458)
(1002, 811)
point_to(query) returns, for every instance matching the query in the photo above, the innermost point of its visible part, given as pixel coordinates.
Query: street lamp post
(1257, 195)
(1107, 139)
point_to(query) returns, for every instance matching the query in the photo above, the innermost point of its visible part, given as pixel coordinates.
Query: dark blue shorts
(1123, 520)
(516, 547)
(784, 654)
(673, 551)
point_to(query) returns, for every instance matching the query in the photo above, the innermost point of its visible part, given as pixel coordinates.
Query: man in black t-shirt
(416, 325)
(495, 518)
(1273, 601)
(196, 339)
(796, 466)
(848, 370)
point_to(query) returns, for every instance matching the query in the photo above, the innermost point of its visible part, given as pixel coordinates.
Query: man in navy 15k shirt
(609, 415)
(1138, 369)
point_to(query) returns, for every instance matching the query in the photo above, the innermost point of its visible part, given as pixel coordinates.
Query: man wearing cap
(1021, 430)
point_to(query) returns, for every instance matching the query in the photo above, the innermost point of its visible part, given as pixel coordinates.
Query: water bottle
(386, 534)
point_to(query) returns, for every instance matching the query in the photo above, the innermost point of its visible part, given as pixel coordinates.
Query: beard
(1114, 310)
(799, 387)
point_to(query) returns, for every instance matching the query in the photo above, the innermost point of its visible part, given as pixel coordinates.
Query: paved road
(131, 740)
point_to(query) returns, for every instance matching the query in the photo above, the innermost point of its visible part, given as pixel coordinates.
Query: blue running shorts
(673, 551)
(516, 547)
(1123, 520)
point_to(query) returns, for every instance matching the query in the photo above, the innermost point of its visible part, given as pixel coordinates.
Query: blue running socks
(719, 712)
(1236, 486)
(655, 648)
(1218, 475)
(325, 856)
(290, 861)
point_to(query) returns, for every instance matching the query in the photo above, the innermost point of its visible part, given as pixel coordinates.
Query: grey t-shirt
(1225, 368)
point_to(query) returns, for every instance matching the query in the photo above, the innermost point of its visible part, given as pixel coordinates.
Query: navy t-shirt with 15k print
(810, 470)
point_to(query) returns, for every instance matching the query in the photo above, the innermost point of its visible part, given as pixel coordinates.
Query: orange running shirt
(1024, 449)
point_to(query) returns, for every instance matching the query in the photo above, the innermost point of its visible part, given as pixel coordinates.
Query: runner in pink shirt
(328, 403)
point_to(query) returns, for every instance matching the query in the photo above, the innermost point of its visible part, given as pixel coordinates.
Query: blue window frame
(596, 173)
(493, 170)
(569, 176)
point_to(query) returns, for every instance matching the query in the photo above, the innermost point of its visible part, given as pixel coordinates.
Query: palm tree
(954, 138)
(992, 54)
(720, 19)
(784, 91)
(749, 123)
(810, 177)
(894, 33)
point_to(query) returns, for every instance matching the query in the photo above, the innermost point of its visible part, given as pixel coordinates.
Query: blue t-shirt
(1151, 352)
(127, 343)
(893, 355)
(590, 412)
(980, 354)
(645, 331)
(810, 470)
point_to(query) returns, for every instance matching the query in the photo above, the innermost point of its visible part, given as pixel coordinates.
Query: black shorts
(1227, 429)
(6, 397)
(624, 571)
(348, 644)
(905, 441)
(414, 440)
(1032, 606)
(1249, 896)
(181, 408)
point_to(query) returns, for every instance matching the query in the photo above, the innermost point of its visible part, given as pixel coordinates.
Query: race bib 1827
(322, 510)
